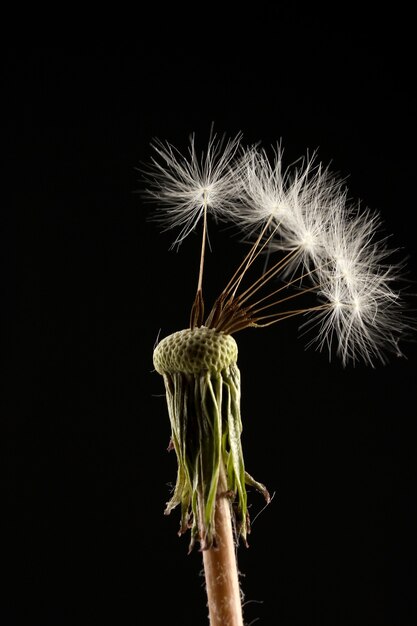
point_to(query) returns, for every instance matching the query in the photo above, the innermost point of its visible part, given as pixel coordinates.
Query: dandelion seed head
(302, 215)
(184, 186)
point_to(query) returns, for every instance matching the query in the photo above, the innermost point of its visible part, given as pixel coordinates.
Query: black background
(88, 283)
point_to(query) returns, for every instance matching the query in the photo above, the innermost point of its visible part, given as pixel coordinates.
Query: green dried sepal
(204, 409)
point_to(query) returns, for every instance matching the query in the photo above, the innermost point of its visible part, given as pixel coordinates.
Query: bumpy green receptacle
(202, 383)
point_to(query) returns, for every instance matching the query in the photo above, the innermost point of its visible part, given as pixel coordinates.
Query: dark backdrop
(88, 283)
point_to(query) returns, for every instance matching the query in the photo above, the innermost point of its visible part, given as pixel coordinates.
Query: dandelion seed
(184, 187)
(364, 315)
(297, 203)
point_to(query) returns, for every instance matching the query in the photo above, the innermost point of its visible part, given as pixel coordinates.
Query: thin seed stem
(253, 253)
(266, 277)
(286, 314)
(203, 247)
(276, 302)
(226, 299)
(197, 310)
(292, 282)
(235, 325)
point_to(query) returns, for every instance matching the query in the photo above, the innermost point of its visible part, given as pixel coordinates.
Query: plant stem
(220, 566)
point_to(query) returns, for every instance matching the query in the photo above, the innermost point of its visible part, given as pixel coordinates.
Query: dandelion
(318, 246)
